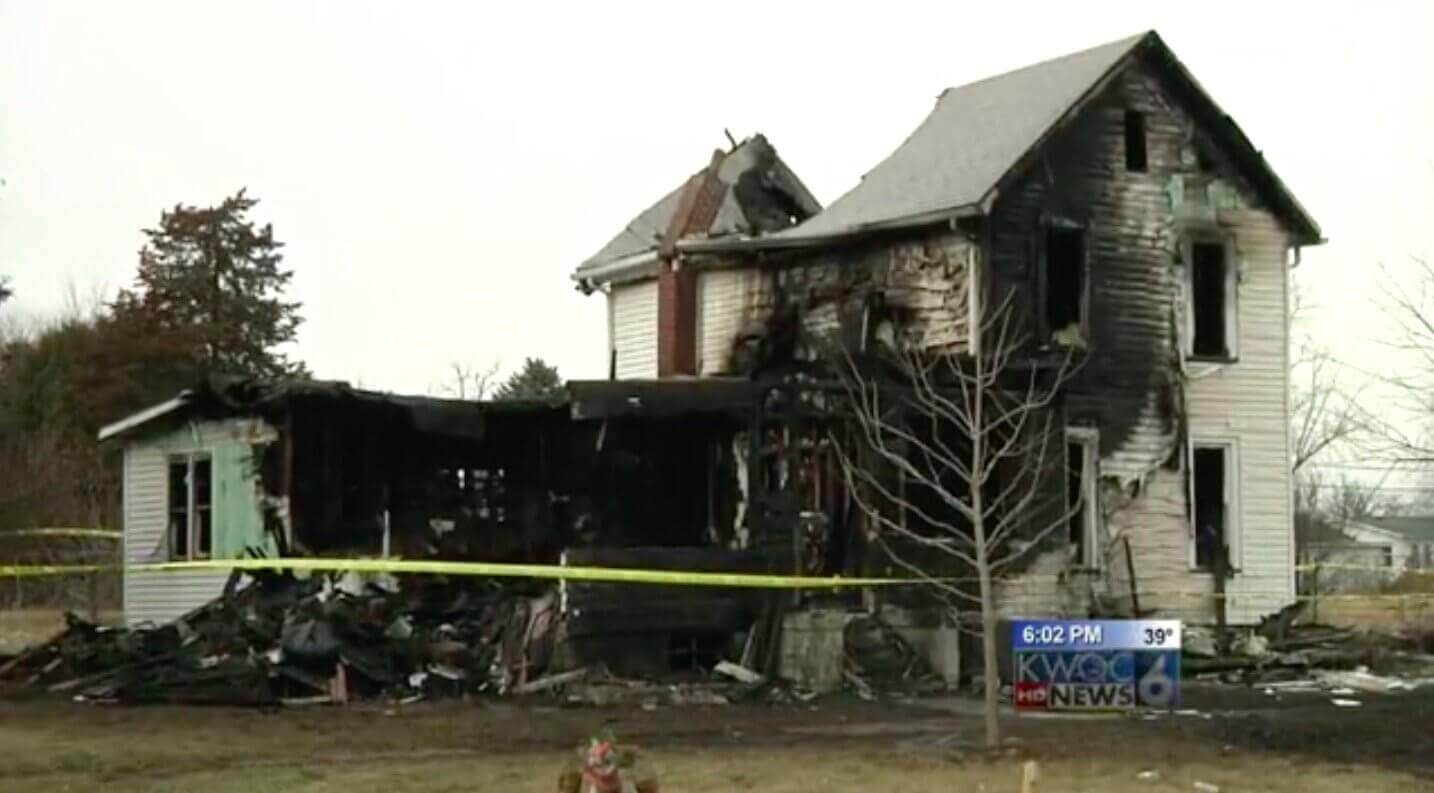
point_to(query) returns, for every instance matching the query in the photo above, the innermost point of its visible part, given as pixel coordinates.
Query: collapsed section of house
(732, 475)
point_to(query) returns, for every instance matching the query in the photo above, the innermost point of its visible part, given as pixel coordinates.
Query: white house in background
(1376, 551)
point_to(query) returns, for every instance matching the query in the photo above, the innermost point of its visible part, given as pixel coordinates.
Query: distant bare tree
(466, 381)
(1408, 299)
(1325, 410)
(976, 440)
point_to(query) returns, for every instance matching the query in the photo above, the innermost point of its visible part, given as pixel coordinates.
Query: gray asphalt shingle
(968, 142)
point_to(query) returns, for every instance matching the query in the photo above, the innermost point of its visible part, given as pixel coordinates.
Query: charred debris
(718, 475)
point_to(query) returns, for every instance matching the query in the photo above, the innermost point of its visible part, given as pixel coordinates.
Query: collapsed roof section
(754, 193)
(220, 397)
(230, 396)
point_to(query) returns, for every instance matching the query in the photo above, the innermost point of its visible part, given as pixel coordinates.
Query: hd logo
(1095, 679)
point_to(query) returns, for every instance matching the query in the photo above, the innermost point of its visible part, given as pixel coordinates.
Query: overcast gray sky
(437, 169)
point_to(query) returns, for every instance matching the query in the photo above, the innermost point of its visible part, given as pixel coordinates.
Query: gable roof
(1414, 528)
(761, 194)
(954, 163)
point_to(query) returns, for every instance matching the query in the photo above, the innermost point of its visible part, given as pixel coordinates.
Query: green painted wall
(238, 520)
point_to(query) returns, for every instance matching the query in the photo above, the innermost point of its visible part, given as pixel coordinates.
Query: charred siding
(1125, 386)
(1135, 388)
(855, 294)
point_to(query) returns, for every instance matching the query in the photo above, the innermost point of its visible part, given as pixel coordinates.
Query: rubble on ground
(1281, 656)
(280, 639)
(878, 660)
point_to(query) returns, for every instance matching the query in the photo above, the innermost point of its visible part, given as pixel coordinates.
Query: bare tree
(1408, 300)
(975, 439)
(466, 381)
(1326, 414)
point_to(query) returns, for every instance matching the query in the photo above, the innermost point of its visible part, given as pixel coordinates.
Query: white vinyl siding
(162, 596)
(155, 596)
(721, 297)
(633, 311)
(1245, 401)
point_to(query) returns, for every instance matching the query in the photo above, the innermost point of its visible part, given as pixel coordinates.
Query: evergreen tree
(535, 380)
(210, 281)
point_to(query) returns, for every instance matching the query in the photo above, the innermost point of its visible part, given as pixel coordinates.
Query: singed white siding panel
(1243, 404)
(722, 296)
(1246, 401)
(1137, 222)
(634, 329)
(154, 596)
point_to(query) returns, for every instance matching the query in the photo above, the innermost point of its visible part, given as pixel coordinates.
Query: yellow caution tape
(28, 570)
(489, 569)
(102, 533)
(1305, 568)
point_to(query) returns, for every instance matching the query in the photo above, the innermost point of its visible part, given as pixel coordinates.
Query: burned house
(1103, 197)
(611, 475)
(1131, 225)
(232, 468)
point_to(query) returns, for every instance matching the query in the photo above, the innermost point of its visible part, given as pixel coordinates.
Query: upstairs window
(1210, 301)
(1063, 284)
(191, 526)
(1135, 154)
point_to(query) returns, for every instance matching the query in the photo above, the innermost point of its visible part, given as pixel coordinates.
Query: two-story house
(1131, 221)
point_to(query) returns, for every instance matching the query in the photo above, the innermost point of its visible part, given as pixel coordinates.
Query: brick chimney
(697, 208)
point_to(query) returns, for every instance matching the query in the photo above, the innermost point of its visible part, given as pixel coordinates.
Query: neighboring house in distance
(1132, 221)
(1404, 542)
(1385, 548)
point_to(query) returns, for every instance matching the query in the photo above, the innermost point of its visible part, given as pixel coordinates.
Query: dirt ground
(26, 627)
(1240, 740)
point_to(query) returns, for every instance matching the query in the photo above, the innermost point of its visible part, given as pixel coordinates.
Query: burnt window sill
(1224, 359)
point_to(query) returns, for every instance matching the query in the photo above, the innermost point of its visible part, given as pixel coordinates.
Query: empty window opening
(1387, 556)
(1211, 506)
(1065, 279)
(1203, 160)
(1209, 300)
(1135, 155)
(191, 526)
(1082, 507)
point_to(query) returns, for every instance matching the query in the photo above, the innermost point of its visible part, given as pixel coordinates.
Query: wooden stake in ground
(1030, 772)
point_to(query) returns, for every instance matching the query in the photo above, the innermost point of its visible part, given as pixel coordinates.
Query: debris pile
(1282, 657)
(281, 639)
(878, 658)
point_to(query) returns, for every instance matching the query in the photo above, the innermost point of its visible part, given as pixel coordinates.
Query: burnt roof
(978, 134)
(762, 195)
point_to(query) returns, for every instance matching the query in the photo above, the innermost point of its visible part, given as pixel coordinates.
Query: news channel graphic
(1095, 664)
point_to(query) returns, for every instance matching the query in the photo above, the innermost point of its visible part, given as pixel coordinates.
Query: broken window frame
(1050, 223)
(193, 508)
(1231, 296)
(1088, 438)
(1233, 539)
